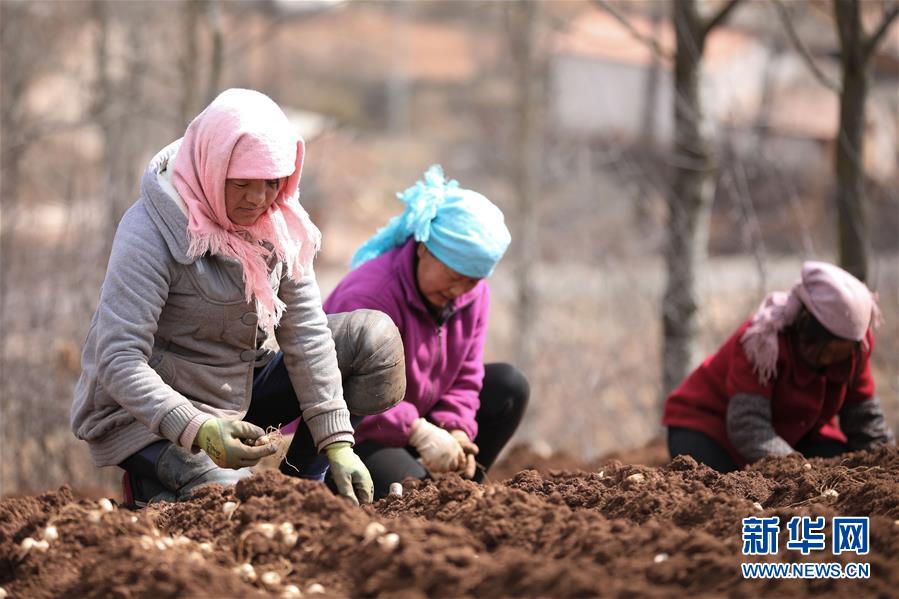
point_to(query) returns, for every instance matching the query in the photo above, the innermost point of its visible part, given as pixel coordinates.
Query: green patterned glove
(229, 444)
(349, 473)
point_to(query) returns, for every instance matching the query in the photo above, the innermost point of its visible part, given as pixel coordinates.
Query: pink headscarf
(840, 302)
(243, 134)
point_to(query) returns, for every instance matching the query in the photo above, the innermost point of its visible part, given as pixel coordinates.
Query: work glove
(231, 444)
(470, 450)
(439, 450)
(349, 473)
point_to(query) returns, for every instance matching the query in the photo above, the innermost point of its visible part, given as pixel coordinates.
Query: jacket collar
(405, 261)
(164, 205)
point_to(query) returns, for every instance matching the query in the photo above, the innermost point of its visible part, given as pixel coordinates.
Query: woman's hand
(349, 473)
(470, 450)
(439, 450)
(230, 444)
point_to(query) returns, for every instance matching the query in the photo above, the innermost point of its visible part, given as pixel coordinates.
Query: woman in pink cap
(796, 377)
(215, 258)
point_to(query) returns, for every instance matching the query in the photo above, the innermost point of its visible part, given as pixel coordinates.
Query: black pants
(705, 450)
(504, 398)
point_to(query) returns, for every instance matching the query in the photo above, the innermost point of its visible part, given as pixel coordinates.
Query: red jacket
(803, 400)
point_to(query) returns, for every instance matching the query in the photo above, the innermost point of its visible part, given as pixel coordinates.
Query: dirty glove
(470, 450)
(349, 473)
(439, 450)
(230, 444)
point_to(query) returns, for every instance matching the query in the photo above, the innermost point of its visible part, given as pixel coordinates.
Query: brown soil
(559, 533)
(522, 457)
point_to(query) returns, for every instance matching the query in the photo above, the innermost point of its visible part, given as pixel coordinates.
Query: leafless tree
(856, 50)
(529, 76)
(691, 194)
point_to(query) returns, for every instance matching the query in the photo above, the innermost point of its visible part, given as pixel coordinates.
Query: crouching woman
(795, 378)
(427, 269)
(178, 385)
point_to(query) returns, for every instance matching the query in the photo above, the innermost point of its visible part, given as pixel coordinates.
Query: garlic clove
(389, 542)
(373, 531)
(271, 579)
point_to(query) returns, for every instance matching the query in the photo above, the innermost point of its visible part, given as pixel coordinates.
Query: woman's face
(248, 199)
(439, 283)
(827, 353)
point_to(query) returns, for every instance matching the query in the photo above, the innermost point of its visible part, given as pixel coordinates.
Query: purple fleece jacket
(444, 364)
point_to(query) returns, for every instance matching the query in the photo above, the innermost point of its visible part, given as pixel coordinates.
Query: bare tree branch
(640, 37)
(719, 17)
(804, 52)
(889, 14)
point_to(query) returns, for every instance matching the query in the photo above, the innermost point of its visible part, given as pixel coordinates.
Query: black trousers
(504, 398)
(705, 450)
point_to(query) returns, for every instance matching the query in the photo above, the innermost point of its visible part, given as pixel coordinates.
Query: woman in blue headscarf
(427, 270)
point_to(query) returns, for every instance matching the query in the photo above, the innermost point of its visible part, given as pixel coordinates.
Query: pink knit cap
(839, 301)
(243, 134)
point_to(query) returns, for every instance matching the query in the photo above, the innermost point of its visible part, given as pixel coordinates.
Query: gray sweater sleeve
(865, 425)
(749, 428)
(134, 292)
(311, 361)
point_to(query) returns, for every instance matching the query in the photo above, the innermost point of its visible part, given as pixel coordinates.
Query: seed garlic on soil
(636, 478)
(290, 591)
(228, 507)
(660, 557)
(373, 531)
(389, 541)
(2, 593)
(267, 529)
(758, 506)
(271, 579)
(830, 493)
(315, 589)
(246, 572)
(28, 544)
(50, 533)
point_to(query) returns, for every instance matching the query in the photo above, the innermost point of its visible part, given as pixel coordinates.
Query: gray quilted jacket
(173, 341)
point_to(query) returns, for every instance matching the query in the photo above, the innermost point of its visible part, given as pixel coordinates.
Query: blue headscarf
(460, 227)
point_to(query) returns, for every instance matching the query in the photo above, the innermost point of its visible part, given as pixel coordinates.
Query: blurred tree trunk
(691, 193)
(189, 64)
(529, 81)
(216, 60)
(651, 90)
(856, 49)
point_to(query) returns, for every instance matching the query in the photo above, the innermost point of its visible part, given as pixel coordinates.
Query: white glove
(439, 450)
(470, 449)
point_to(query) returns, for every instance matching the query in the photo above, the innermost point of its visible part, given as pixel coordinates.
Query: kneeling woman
(426, 269)
(796, 377)
(216, 253)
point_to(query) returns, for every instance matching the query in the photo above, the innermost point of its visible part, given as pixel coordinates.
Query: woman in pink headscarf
(796, 377)
(215, 258)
